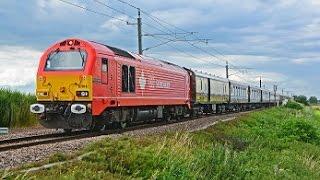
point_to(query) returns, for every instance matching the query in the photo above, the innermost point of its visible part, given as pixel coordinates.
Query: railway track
(18, 143)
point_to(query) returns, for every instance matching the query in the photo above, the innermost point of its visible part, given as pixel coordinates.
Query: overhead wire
(154, 18)
(113, 17)
(185, 53)
(158, 20)
(161, 22)
(130, 16)
(112, 8)
(92, 11)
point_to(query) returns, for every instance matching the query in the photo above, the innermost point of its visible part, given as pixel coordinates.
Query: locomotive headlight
(82, 93)
(44, 93)
(42, 78)
(83, 78)
(78, 108)
(37, 108)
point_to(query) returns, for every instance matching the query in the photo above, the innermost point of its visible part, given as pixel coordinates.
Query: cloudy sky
(277, 39)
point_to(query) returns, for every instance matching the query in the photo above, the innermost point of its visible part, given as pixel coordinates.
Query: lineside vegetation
(277, 143)
(14, 109)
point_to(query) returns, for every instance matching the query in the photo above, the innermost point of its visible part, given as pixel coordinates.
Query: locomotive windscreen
(66, 60)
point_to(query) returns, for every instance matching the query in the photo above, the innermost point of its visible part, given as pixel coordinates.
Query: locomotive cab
(64, 85)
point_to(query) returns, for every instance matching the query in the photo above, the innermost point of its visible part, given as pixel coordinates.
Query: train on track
(88, 85)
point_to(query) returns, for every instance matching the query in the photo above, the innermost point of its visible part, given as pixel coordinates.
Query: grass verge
(14, 109)
(276, 143)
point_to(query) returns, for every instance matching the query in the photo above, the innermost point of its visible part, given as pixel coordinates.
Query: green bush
(301, 130)
(14, 109)
(294, 105)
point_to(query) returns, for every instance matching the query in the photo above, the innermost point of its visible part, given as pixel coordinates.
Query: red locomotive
(85, 84)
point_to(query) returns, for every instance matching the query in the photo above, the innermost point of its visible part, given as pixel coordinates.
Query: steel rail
(18, 143)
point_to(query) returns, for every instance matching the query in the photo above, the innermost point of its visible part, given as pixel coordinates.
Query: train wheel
(97, 128)
(97, 124)
(165, 118)
(67, 131)
(123, 124)
(119, 125)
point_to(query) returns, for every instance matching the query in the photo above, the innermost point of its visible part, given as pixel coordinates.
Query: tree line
(304, 100)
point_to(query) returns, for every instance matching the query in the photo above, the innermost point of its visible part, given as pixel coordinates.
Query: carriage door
(104, 70)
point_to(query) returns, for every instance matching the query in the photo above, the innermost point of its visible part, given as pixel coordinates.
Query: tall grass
(279, 143)
(14, 109)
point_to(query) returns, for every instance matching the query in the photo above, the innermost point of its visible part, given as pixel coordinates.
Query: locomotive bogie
(60, 115)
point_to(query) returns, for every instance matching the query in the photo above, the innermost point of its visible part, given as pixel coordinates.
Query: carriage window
(104, 65)
(125, 78)
(132, 77)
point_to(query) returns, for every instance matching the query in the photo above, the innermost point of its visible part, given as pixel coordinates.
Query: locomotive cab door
(104, 70)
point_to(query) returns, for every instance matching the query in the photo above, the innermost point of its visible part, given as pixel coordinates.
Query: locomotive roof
(150, 60)
(160, 62)
(117, 51)
(127, 54)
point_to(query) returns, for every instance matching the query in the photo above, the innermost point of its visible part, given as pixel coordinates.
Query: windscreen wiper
(82, 57)
(51, 55)
(54, 52)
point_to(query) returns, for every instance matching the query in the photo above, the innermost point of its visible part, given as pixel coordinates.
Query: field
(278, 143)
(14, 109)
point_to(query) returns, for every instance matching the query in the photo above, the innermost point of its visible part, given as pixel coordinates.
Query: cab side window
(128, 78)
(104, 65)
(124, 78)
(132, 77)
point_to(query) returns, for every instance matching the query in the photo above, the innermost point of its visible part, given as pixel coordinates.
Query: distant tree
(302, 99)
(313, 100)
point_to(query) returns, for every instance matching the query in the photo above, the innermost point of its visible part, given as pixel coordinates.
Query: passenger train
(88, 85)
